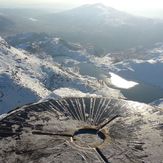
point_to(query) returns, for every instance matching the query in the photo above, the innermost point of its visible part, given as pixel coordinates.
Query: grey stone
(90, 130)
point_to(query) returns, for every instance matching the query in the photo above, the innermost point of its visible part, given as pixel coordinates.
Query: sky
(131, 6)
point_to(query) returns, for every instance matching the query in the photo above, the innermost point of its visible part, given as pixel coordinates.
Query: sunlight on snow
(120, 82)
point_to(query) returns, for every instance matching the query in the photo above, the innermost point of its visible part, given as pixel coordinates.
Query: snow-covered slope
(63, 52)
(27, 78)
(12, 94)
(41, 43)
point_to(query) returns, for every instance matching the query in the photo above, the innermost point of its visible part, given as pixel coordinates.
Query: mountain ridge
(31, 78)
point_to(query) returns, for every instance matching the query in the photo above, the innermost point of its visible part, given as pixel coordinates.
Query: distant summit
(105, 27)
(99, 6)
(95, 5)
(90, 9)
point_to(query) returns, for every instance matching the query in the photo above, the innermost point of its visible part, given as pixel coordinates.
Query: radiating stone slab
(76, 130)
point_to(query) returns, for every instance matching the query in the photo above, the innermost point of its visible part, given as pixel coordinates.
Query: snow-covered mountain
(104, 27)
(42, 67)
(43, 44)
(94, 12)
(25, 78)
(91, 14)
(71, 55)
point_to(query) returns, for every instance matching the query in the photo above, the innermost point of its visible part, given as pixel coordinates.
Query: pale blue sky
(132, 6)
(121, 4)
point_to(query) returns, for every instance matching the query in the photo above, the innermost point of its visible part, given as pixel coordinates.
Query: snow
(1, 39)
(3, 116)
(56, 40)
(19, 66)
(27, 78)
(101, 7)
(99, 61)
(152, 61)
(33, 19)
(58, 48)
(69, 92)
(120, 82)
(146, 71)
(109, 92)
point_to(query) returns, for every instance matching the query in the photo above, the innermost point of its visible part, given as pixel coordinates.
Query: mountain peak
(98, 6)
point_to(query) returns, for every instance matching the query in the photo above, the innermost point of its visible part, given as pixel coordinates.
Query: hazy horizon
(153, 8)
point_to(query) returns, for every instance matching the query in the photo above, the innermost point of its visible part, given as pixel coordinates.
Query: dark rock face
(76, 130)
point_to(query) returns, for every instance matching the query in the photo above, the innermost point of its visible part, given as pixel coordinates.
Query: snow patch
(3, 116)
(68, 92)
(121, 82)
(146, 71)
(33, 19)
